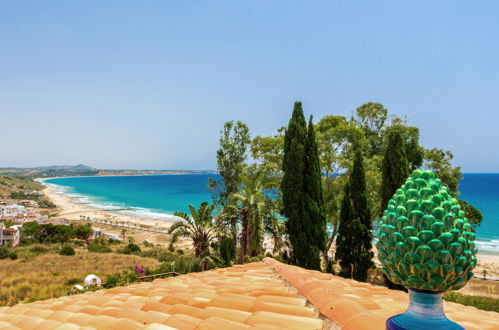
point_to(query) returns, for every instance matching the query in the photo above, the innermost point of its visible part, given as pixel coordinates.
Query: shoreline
(114, 222)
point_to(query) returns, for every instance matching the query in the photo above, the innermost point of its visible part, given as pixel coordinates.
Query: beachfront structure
(10, 236)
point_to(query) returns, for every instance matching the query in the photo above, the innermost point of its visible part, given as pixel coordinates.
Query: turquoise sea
(159, 196)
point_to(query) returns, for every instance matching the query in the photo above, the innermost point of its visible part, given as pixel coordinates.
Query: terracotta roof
(265, 295)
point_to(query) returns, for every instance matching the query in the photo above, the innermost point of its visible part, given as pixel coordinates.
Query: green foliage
(200, 228)
(354, 239)
(371, 118)
(226, 250)
(73, 281)
(33, 232)
(124, 279)
(67, 250)
(131, 248)
(395, 168)
(314, 202)
(45, 203)
(7, 253)
(480, 302)
(298, 198)
(38, 250)
(425, 242)
(83, 231)
(234, 142)
(95, 247)
(147, 244)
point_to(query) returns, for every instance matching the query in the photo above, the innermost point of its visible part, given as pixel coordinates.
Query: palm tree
(199, 227)
(258, 216)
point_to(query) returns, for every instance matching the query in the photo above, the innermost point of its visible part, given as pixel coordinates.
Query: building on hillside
(28, 203)
(11, 211)
(10, 236)
(18, 213)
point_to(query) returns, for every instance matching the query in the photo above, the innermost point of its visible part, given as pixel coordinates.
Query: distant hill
(79, 167)
(84, 170)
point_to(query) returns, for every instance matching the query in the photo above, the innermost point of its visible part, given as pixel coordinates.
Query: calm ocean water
(159, 196)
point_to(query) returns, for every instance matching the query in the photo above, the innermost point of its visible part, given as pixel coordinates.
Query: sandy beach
(113, 221)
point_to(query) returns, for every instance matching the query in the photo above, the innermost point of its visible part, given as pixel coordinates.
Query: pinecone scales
(425, 242)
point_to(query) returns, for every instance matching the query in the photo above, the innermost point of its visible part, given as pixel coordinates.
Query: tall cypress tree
(394, 172)
(354, 245)
(293, 185)
(302, 192)
(314, 201)
(344, 254)
(395, 168)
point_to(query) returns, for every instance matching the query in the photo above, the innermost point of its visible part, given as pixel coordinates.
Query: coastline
(115, 222)
(73, 211)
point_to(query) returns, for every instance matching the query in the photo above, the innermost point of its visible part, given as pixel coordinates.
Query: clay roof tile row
(265, 295)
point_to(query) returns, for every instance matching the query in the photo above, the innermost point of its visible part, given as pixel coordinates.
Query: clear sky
(149, 84)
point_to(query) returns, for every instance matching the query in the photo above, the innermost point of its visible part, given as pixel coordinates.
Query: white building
(12, 211)
(10, 236)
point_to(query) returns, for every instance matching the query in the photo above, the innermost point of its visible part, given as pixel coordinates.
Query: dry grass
(44, 277)
(477, 287)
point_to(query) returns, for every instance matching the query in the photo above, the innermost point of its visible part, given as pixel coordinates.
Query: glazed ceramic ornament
(427, 245)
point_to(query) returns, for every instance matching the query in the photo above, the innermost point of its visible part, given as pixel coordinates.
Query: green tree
(354, 242)
(83, 231)
(344, 254)
(231, 155)
(371, 117)
(314, 206)
(395, 168)
(199, 228)
(302, 200)
(293, 186)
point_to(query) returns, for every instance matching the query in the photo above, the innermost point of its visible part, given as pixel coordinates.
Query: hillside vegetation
(37, 276)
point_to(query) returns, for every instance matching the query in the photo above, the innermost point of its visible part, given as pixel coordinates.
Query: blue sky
(149, 84)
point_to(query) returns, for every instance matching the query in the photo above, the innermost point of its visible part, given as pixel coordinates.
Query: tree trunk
(330, 242)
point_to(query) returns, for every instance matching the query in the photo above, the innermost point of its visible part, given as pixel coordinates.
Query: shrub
(147, 244)
(484, 303)
(38, 250)
(131, 248)
(123, 279)
(99, 248)
(166, 256)
(67, 250)
(73, 281)
(4, 252)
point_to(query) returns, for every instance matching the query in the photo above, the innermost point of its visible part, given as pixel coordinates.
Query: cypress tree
(394, 172)
(354, 240)
(344, 254)
(293, 185)
(302, 192)
(314, 201)
(395, 168)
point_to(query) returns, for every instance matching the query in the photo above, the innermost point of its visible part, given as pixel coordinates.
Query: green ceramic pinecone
(425, 242)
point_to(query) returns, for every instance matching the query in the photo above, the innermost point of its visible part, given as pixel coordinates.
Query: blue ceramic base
(425, 311)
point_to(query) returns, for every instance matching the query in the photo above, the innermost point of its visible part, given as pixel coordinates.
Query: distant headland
(84, 170)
